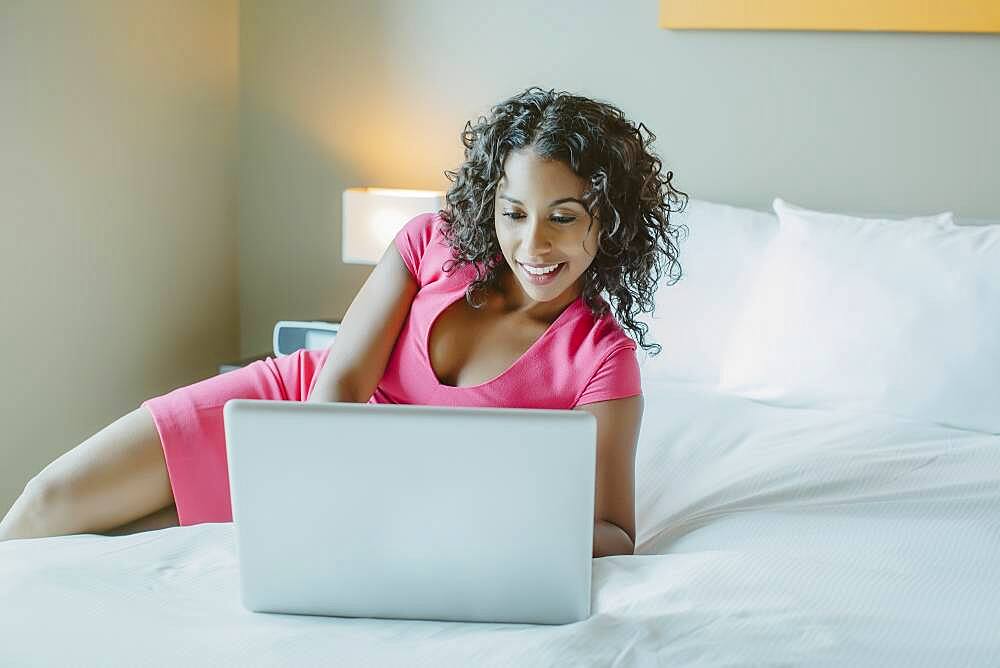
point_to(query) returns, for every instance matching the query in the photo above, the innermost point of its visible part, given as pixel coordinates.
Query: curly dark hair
(627, 196)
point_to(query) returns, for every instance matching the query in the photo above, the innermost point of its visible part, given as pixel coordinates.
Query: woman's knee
(31, 514)
(114, 477)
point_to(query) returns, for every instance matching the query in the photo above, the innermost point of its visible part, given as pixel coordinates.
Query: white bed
(884, 552)
(768, 535)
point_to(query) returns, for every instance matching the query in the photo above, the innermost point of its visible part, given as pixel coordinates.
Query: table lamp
(373, 216)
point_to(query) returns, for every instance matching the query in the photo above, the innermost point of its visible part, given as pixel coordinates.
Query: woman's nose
(536, 238)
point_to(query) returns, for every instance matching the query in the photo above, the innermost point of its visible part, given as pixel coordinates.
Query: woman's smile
(541, 274)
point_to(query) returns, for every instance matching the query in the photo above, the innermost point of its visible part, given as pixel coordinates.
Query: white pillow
(945, 219)
(719, 258)
(890, 316)
(694, 315)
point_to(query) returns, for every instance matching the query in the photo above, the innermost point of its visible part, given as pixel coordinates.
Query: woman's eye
(513, 215)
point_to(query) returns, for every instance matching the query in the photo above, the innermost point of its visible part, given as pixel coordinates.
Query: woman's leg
(114, 477)
(161, 519)
(167, 455)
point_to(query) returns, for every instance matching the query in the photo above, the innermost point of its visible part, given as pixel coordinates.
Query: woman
(494, 301)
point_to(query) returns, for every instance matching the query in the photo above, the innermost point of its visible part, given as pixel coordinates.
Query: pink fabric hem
(190, 424)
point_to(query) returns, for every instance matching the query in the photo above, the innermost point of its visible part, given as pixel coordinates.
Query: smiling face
(541, 222)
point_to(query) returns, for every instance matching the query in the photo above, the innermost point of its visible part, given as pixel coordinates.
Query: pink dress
(577, 360)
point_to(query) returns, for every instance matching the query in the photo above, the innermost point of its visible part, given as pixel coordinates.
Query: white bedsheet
(767, 536)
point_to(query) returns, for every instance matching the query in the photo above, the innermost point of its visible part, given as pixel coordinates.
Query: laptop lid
(413, 512)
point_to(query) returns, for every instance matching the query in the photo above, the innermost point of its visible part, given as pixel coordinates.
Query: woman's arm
(618, 423)
(368, 331)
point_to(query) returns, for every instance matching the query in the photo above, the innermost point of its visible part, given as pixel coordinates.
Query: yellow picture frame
(964, 16)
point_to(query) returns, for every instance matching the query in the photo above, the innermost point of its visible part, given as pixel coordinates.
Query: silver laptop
(413, 512)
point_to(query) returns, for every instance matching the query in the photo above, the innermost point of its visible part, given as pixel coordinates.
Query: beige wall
(338, 94)
(118, 213)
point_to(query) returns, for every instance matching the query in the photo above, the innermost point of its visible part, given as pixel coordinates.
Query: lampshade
(373, 216)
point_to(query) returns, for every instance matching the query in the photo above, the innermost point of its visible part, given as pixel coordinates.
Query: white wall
(369, 92)
(118, 214)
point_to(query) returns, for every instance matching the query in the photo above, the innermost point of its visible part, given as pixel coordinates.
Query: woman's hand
(611, 539)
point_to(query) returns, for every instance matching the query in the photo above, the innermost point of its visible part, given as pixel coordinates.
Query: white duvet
(767, 537)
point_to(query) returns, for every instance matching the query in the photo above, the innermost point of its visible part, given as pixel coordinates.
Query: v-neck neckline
(560, 319)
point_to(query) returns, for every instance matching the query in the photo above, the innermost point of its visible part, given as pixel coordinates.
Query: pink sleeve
(412, 240)
(616, 378)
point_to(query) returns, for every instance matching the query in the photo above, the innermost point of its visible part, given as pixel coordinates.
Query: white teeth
(541, 271)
